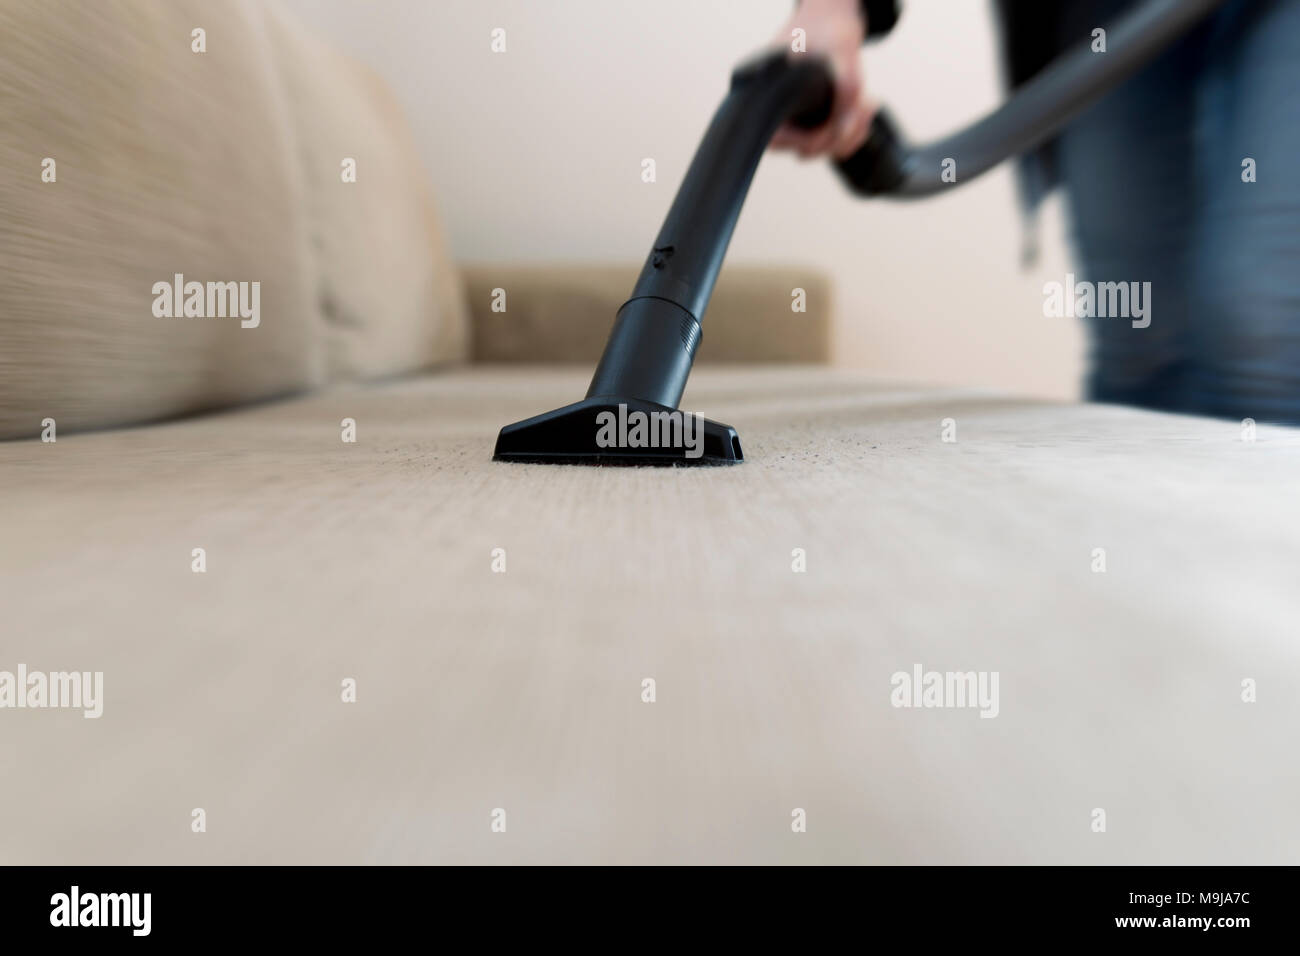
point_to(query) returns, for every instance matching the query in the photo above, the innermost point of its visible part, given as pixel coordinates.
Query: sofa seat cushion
(522, 688)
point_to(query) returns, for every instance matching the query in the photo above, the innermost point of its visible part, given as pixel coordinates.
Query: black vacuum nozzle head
(606, 430)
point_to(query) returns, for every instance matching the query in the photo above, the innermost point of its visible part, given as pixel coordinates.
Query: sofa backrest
(563, 313)
(135, 149)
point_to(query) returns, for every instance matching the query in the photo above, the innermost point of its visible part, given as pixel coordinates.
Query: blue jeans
(1153, 176)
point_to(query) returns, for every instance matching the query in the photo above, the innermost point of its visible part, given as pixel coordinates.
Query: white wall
(536, 157)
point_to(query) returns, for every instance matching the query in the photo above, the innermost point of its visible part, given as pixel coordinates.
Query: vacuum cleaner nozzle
(606, 430)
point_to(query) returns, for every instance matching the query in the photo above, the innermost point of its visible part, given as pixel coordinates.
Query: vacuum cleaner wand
(643, 371)
(657, 330)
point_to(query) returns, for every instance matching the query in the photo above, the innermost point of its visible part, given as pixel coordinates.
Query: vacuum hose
(885, 165)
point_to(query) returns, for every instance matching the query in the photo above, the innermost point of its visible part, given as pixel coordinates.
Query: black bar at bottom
(911, 906)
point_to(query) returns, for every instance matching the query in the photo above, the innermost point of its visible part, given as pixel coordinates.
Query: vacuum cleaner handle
(657, 331)
(886, 165)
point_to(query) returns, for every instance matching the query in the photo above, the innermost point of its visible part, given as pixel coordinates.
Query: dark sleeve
(881, 16)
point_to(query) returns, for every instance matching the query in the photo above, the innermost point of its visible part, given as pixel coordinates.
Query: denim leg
(1127, 168)
(1245, 330)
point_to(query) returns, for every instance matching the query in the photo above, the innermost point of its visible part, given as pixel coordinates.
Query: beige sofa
(1123, 573)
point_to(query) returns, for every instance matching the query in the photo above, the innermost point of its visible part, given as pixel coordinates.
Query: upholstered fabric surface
(389, 297)
(133, 151)
(514, 679)
(563, 313)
